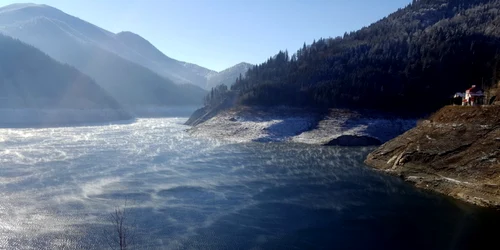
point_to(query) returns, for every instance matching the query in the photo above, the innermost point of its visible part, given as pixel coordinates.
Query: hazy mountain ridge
(31, 79)
(199, 70)
(126, 44)
(182, 72)
(228, 76)
(37, 90)
(129, 83)
(149, 56)
(92, 50)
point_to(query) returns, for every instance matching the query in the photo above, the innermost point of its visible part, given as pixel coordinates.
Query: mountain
(411, 61)
(131, 75)
(180, 72)
(228, 76)
(206, 73)
(31, 80)
(149, 56)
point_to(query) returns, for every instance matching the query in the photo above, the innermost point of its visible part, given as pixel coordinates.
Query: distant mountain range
(37, 90)
(228, 76)
(31, 79)
(149, 56)
(130, 68)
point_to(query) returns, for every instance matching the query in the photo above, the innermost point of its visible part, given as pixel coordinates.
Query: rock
(331, 127)
(354, 140)
(456, 162)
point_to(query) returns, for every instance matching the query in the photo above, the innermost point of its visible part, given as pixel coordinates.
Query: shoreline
(58, 117)
(68, 117)
(455, 152)
(337, 127)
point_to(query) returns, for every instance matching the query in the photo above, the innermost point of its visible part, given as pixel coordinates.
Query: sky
(218, 34)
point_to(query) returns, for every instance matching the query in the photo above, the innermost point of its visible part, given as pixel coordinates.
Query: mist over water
(57, 186)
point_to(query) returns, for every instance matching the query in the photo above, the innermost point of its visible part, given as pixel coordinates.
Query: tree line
(412, 60)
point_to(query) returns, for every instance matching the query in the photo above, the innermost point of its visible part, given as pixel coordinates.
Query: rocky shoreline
(334, 127)
(455, 152)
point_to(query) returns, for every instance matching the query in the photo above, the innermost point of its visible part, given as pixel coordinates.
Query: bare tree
(121, 235)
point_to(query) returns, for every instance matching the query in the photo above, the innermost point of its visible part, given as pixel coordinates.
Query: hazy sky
(220, 33)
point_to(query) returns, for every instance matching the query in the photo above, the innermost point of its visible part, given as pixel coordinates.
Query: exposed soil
(455, 152)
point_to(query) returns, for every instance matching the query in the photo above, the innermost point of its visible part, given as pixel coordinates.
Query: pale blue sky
(220, 33)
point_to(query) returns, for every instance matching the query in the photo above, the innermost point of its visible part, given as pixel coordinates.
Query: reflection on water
(58, 184)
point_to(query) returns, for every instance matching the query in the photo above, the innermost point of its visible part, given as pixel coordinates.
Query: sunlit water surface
(58, 186)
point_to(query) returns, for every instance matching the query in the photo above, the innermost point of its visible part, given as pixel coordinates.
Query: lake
(58, 187)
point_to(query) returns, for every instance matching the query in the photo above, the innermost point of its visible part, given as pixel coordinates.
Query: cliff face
(455, 152)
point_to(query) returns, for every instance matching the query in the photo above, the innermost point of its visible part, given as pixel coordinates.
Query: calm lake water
(58, 186)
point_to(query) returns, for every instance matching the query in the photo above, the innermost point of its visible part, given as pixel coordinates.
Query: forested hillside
(412, 60)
